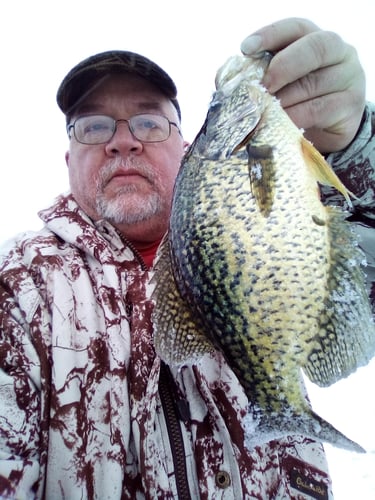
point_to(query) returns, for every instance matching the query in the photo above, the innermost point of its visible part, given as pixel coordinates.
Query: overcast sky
(42, 40)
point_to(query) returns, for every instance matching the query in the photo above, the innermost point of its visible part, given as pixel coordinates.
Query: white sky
(42, 40)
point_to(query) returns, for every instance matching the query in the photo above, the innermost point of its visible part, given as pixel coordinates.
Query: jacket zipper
(174, 410)
(136, 253)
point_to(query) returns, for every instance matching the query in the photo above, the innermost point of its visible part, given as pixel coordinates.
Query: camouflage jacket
(86, 408)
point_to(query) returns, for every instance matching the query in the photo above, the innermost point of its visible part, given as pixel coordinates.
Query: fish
(256, 266)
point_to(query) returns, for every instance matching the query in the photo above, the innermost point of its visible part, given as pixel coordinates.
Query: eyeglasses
(99, 129)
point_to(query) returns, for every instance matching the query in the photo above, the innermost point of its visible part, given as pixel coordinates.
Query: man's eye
(95, 127)
(148, 124)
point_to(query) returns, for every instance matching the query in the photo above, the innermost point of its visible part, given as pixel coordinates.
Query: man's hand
(317, 77)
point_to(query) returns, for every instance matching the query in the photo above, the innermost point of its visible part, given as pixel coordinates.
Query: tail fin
(261, 428)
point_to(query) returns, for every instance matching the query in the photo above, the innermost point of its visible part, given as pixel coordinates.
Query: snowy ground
(350, 406)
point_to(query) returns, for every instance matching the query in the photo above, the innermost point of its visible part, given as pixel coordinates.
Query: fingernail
(251, 44)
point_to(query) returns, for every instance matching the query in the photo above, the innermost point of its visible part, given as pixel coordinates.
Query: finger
(276, 36)
(316, 50)
(328, 122)
(320, 112)
(335, 78)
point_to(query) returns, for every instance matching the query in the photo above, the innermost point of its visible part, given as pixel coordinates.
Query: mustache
(118, 163)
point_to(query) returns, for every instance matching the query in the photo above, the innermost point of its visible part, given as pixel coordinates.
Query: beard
(128, 205)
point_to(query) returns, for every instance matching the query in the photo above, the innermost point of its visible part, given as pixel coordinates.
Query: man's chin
(130, 210)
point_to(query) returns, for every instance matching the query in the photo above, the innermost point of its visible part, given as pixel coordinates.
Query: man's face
(125, 181)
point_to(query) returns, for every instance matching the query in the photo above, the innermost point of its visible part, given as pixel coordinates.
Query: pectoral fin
(262, 176)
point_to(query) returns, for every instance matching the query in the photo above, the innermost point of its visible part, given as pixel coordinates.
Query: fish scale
(257, 266)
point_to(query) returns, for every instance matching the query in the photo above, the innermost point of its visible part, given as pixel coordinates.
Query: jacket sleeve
(20, 381)
(356, 168)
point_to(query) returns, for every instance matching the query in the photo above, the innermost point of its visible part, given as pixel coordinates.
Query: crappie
(255, 265)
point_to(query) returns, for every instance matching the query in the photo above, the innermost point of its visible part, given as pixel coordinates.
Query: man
(87, 410)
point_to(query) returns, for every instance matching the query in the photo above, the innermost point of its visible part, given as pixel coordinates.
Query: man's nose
(123, 141)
